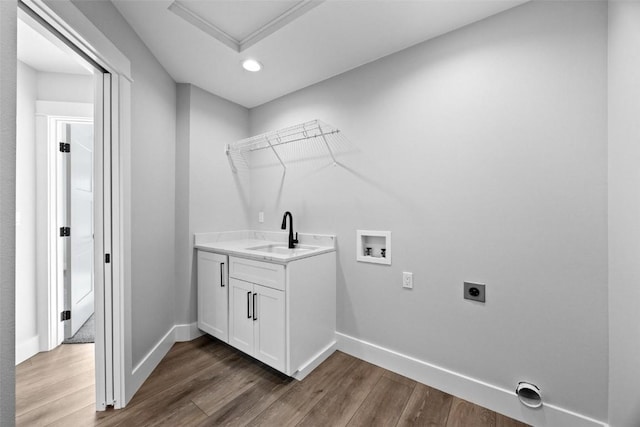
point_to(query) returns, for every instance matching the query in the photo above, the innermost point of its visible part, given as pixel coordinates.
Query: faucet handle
(296, 239)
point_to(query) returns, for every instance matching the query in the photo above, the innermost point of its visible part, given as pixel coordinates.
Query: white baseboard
(487, 395)
(27, 349)
(187, 332)
(143, 369)
(315, 361)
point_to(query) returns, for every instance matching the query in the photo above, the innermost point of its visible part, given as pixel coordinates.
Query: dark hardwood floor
(208, 383)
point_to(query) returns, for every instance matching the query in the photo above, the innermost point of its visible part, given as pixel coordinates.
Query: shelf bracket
(324, 138)
(227, 151)
(276, 153)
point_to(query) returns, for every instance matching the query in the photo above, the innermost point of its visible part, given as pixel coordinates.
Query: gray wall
(65, 87)
(26, 290)
(153, 136)
(8, 23)
(484, 152)
(624, 213)
(208, 196)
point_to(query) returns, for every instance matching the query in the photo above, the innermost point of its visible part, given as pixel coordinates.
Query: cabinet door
(241, 315)
(269, 329)
(213, 301)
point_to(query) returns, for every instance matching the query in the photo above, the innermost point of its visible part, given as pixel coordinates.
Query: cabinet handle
(248, 304)
(254, 307)
(222, 275)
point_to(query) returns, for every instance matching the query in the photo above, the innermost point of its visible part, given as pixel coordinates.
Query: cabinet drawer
(262, 273)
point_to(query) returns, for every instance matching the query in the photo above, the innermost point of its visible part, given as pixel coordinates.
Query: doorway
(72, 203)
(55, 188)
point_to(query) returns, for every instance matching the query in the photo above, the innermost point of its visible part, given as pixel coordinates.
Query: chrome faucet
(292, 241)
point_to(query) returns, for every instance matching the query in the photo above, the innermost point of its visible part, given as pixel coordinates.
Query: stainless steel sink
(283, 249)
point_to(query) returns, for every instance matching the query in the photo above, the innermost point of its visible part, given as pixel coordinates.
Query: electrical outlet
(407, 280)
(260, 217)
(474, 291)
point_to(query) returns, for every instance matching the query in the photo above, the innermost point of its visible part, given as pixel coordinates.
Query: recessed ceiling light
(251, 65)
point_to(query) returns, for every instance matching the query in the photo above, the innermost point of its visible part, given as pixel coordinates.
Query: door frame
(112, 120)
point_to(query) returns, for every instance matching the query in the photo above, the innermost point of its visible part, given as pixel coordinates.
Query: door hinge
(65, 147)
(107, 258)
(65, 315)
(65, 231)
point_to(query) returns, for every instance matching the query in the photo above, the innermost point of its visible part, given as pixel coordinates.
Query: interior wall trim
(27, 348)
(316, 361)
(290, 15)
(481, 393)
(187, 332)
(145, 367)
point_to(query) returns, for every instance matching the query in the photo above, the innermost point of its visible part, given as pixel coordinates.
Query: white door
(269, 332)
(213, 295)
(79, 294)
(241, 315)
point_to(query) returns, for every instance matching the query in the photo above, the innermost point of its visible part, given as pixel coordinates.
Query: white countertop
(237, 243)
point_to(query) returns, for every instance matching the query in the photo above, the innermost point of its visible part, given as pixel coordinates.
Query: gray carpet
(86, 333)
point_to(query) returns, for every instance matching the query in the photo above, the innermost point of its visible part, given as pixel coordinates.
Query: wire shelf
(237, 152)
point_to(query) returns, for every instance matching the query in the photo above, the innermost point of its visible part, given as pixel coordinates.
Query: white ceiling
(42, 54)
(299, 42)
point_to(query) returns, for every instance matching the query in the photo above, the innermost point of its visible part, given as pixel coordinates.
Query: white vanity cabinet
(213, 291)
